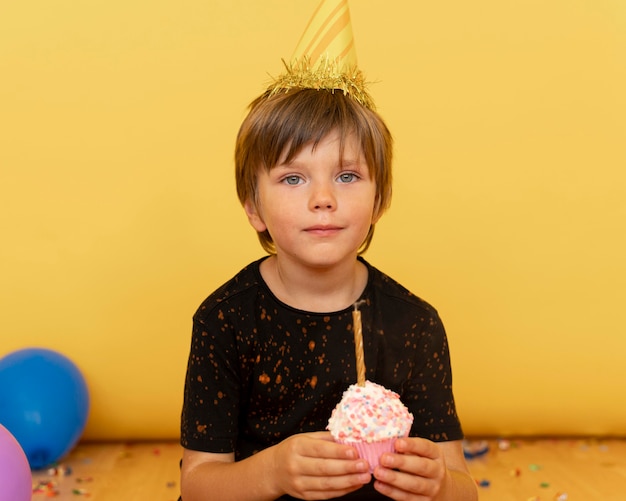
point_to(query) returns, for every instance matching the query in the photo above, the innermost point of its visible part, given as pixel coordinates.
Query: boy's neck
(315, 289)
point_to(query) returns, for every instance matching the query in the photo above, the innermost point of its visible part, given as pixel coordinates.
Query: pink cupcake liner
(372, 451)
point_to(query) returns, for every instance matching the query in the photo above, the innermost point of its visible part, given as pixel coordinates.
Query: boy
(272, 349)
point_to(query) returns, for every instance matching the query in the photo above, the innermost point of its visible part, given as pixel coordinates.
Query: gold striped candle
(357, 328)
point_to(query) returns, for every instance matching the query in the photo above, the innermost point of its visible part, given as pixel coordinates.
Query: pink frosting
(369, 413)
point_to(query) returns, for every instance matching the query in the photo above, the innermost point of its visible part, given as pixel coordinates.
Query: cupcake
(370, 418)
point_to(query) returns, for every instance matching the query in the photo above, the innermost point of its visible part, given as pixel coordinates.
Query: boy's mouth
(322, 229)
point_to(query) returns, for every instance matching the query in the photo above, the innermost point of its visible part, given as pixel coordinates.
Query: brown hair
(283, 123)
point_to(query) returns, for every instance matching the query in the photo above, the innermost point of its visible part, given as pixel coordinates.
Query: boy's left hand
(417, 471)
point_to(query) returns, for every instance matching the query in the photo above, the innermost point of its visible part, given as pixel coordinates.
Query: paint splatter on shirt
(260, 371)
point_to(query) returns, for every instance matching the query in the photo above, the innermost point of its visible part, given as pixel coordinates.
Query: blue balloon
(44, 403)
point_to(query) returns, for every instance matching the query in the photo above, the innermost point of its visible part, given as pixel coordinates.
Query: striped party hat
(325, 57)
(328, 35)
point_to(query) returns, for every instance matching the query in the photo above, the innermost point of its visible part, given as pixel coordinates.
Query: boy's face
(318, 208)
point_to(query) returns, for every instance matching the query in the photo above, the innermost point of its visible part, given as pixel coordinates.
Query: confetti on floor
(509, 470)
(550, 470)
(112, 472)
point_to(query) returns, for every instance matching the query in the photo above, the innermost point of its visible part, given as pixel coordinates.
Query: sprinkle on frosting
(369, 413)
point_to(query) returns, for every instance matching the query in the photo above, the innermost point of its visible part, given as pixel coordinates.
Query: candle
(357, 327)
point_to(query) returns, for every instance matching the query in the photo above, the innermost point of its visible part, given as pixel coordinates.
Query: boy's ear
(254, 217)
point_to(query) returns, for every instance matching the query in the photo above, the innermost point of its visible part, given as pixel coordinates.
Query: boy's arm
(308, 466)
(206, 476)
(461, 485)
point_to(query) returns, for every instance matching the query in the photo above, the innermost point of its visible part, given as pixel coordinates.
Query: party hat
(328, 35)
(325, 57)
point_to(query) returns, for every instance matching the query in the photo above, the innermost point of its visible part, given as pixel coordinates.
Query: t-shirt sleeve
(428, 392)
(211, 396)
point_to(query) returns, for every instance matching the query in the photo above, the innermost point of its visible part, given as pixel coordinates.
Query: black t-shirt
(260, 371)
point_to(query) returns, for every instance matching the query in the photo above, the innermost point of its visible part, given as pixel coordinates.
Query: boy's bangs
(306, 119)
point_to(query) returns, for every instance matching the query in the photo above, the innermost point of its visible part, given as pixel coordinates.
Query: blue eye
(291, 180)
(347, 177)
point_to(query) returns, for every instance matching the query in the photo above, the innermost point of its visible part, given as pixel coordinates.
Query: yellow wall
(117, 122)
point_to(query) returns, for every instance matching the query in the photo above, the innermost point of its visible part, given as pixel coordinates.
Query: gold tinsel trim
(326, 75)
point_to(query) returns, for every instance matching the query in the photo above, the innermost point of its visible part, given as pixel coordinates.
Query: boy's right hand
(313, 466)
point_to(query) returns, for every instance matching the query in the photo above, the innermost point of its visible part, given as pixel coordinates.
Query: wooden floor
(516, 470)
(552, 470)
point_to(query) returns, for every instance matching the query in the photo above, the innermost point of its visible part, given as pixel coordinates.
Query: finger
(317, 446)
(418, 447)
(333, 476)
(398, 484)
(321, 435)
(411, 464)
(329, 467)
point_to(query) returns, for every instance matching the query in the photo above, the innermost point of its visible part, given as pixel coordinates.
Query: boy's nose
(323, 198)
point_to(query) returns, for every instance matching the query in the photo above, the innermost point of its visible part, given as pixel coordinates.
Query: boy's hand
(312, 466)
(417, 471)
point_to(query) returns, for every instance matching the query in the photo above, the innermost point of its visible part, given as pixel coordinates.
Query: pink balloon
(16, 481)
